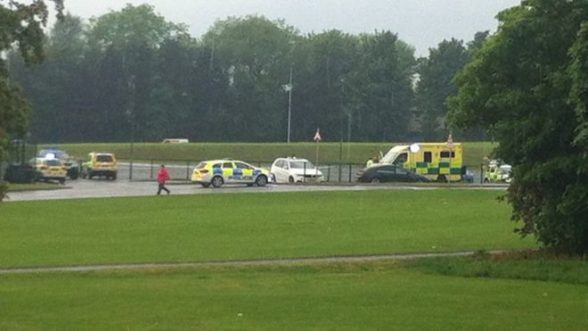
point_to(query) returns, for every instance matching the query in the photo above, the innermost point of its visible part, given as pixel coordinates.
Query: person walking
(162, 177)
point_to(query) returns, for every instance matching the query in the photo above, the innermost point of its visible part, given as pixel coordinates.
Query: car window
(301, 164)
(216, 165)
(386, 170)
(104, 158)
(228, 165)
(242, 165)
(280, 163)
(201, 165)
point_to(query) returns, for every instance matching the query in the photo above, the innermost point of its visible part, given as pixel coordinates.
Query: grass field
(364, 296)
(508, 292)
(252, 226)
(260, 152)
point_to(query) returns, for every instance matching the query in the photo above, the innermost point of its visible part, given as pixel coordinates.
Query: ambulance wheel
(486, 180)
(217, 181)
(290, 179)
(442, 179)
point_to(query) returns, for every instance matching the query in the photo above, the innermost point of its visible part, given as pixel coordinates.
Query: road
(83, 188)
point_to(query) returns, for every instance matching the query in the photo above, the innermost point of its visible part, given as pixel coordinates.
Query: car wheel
(217, 181)
(62, 181)
(290, 179)
(486, 180)
(375, 180)
(261, 180)
(113, 177)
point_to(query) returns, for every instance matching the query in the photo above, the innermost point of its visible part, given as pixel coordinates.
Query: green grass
(516, 291)
(360, 296)
(518, 265)
(252, 226)
(262, 152)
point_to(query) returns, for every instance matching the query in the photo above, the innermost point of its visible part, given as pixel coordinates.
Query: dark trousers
(162, 187)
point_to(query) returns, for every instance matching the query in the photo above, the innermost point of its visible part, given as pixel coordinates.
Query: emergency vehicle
(219, 172)
(437, 161)
(497, 172)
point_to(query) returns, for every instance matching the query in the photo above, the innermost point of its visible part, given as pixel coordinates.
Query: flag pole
(317, 138)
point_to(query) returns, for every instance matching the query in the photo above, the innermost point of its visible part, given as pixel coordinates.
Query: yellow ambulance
(441, 162)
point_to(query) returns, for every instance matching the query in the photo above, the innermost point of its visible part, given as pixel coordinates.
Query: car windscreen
(53, 163)
(104, 158)
(301, 165)
(201, 165)
(54, 153)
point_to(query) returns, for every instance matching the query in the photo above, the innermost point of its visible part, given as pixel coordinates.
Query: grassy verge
(252, 226)
(361, 296)
(517, 265)
(266, 152)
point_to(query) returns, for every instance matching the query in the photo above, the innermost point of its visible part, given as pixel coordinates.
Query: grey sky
(421, 23)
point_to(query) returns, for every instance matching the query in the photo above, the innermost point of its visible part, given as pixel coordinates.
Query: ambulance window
(227, 165)
(401, 158)
(428, 157)
(216, 165)
(446, 154)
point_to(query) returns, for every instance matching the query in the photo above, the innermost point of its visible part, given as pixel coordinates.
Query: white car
(293, 170)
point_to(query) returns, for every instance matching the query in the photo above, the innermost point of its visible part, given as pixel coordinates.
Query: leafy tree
(436, 84)
(252, 56)
(524, 86)
(383, 87)
(123, 53)
(20, 24)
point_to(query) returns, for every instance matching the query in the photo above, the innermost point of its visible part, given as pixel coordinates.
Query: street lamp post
(290, 87)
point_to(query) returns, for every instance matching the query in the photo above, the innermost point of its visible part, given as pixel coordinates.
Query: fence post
(151, 169)
(329, 174)
(350, 172)
(187, 170)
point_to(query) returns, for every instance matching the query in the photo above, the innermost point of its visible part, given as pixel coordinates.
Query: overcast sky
(421, 23)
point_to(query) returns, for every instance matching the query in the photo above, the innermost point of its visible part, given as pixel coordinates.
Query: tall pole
(290, 102)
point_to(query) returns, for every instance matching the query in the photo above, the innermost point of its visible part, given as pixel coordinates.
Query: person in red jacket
(162, 177)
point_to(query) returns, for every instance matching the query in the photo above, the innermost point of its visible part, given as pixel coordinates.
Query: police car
(49, 169)
(219, 172)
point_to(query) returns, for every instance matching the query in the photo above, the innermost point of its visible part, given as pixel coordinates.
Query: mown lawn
(359, 296)
(506, 292)
(253, 226)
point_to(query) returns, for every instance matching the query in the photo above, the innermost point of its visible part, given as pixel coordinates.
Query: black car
(389, 173)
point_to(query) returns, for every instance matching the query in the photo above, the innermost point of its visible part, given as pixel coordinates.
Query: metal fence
(181, 170)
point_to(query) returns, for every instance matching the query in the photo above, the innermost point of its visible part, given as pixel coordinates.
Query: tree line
(132, 75)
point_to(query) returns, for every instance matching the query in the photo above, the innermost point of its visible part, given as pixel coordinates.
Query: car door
(228, 175)
(386, 174)
(278, 171)
(403, 175)
(244, 171)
